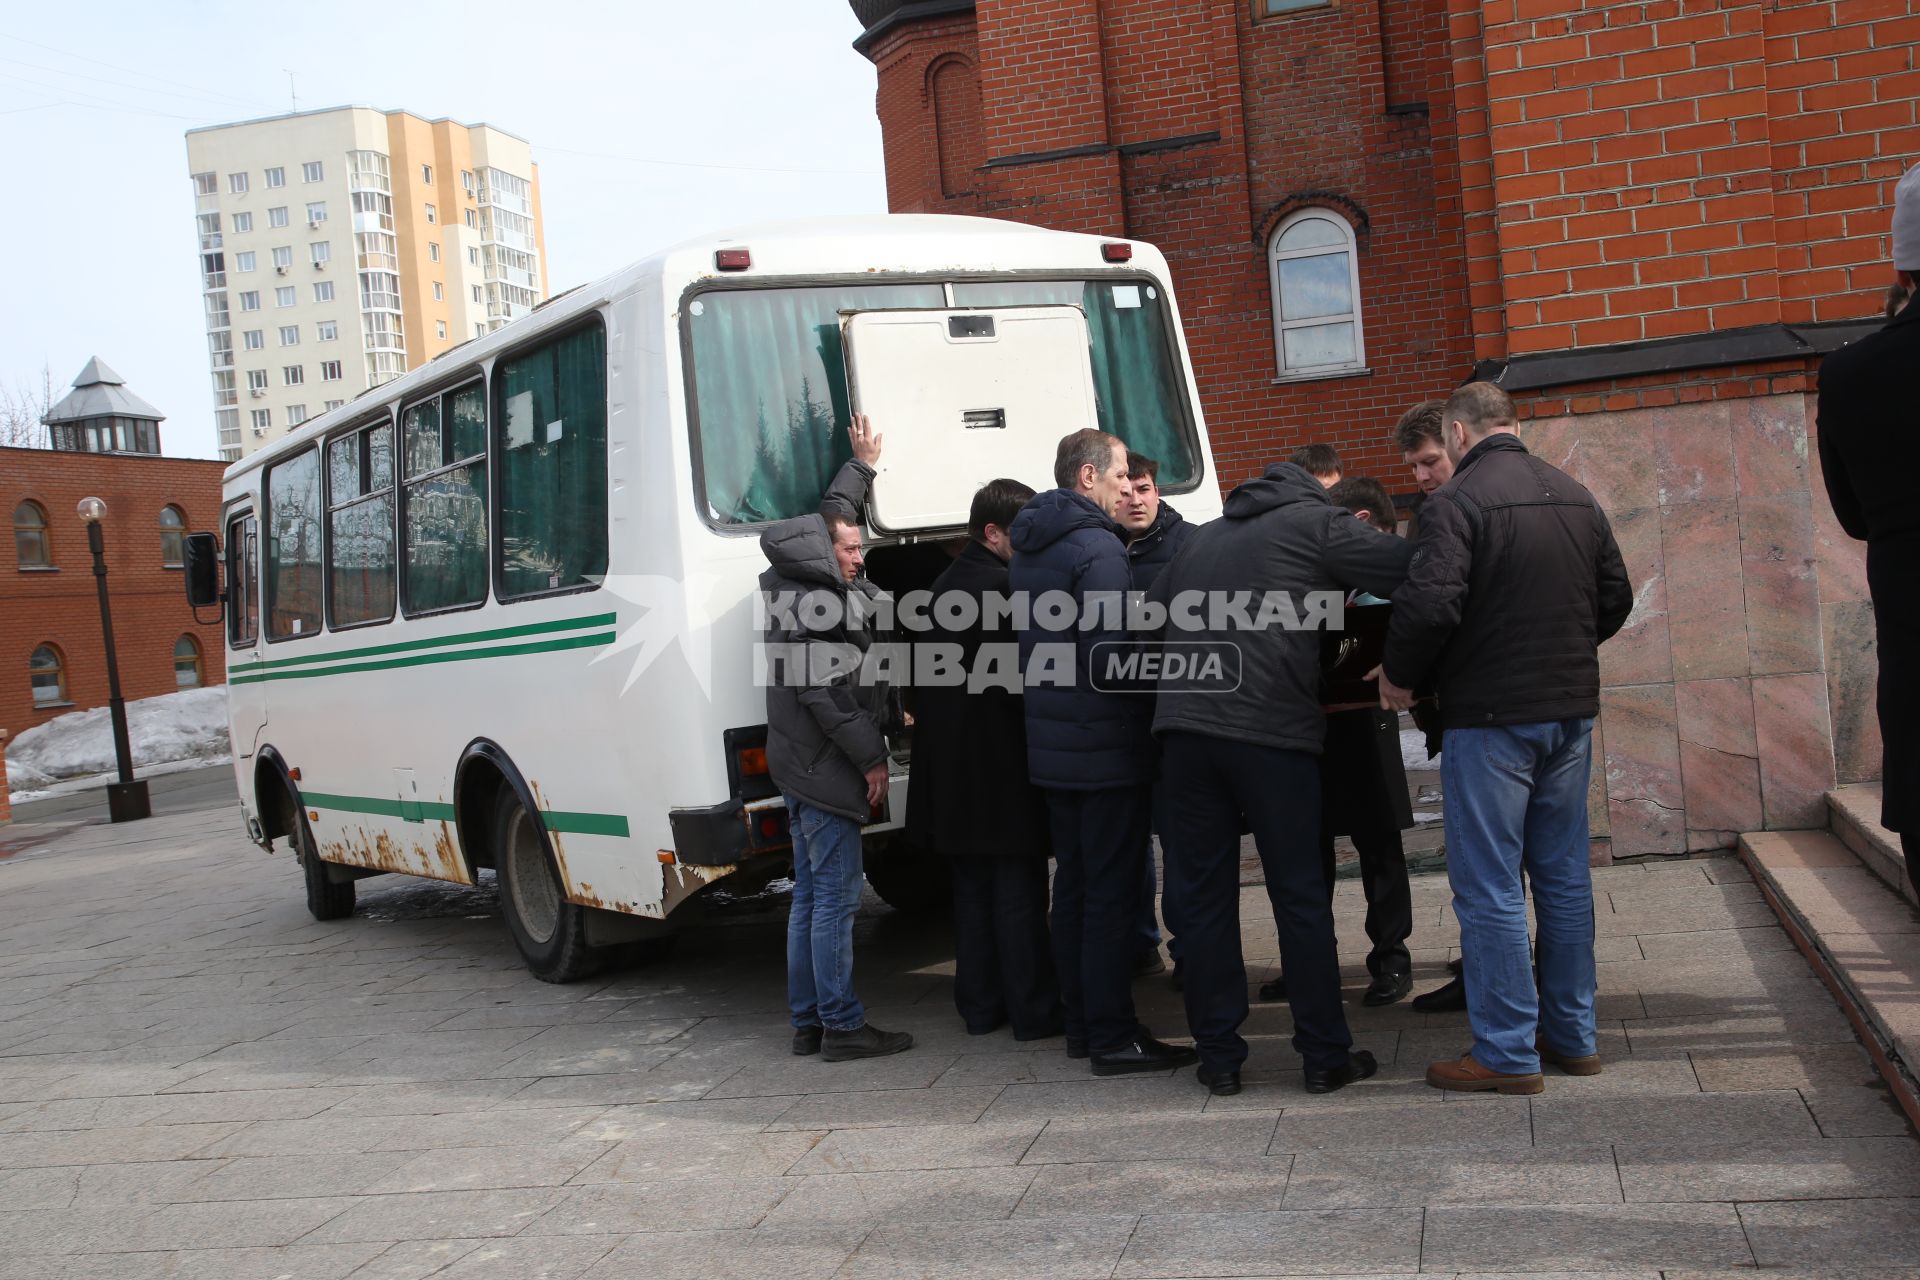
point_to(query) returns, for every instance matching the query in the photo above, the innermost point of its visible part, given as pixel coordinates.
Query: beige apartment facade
(341, 248)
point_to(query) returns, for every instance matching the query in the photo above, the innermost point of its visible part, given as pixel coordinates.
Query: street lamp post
(127, 798)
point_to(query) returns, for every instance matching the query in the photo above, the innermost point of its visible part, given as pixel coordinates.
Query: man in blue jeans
(1514, 583)
(826, 750)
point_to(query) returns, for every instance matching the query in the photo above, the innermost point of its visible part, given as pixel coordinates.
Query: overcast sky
(650, 121)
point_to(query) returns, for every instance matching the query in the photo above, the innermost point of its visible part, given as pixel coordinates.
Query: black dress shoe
(1275, 990)
(1076, 1046)
(1451, 998)
(1360, 1064)
(866, 1041)
(1221, 1084)
(1387, 988)
(1144, 1054)
(1148, 963)
(806, 1041)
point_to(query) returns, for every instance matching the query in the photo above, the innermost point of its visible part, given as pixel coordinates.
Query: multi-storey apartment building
(340, 248)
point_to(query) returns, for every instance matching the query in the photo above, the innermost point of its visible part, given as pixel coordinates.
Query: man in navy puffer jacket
(1090, 749)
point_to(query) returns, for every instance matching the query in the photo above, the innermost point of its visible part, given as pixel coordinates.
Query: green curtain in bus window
(421, 424)
(1138, 385)
(293, 546)
(447, 538)
(360, 555)
(553, 465)
(770, 391)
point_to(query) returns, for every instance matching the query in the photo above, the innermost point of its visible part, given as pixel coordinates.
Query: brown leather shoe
(1572, 1064)
(1468, 1076)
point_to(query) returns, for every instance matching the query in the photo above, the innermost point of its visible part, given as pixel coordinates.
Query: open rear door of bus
(963, 397)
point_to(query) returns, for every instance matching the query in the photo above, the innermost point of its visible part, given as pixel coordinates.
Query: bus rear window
(770, 392)
(769, 381)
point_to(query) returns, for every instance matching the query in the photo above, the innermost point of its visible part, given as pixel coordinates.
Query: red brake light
(753, 760)
(1116, 251)
(732, 259)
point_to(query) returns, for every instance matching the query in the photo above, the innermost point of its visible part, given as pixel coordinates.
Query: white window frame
(433, 215)
(286, 295)
(237, 184)
(426, 175)
(262, 420)
(321, 251)
(250, 300)
(296, 414)
(1356, 317)
(313, 171)
(439, 292)
(275, 177)
(256, 379)
(433, 251)
(277, 216)
(286, 329)
(283, 257)
(330, 371)
(316, 211)
(254, 339)
(293, 375)
(326, 331)
(244, 260)
(323, 291)
(242, 222)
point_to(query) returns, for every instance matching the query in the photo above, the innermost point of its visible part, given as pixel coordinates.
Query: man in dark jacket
(1867, 412)
(1515, 582)
(1088, 747)
(1155, 534)
(1264, 582)
(826, 750)
(970, 801)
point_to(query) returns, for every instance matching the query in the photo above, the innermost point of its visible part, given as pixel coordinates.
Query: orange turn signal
(665, 855)
(753, 760)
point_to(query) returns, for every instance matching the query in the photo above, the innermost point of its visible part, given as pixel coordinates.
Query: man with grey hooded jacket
(826, 749)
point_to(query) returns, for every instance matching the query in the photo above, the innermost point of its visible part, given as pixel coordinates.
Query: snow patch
(1413, 751)
(188, 727)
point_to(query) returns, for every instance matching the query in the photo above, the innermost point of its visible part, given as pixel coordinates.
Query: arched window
(173, 528)
(48, 672)
(186, 663)
(30, 544)
(1316, 295)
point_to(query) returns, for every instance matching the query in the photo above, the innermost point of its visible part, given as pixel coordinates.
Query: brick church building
(1645, 220)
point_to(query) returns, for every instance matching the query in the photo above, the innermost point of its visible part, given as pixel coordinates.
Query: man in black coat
(1088, 747)
(1867, 415)
(1263, 582)
(1515, 582)
(969, 799)
(1155, 534)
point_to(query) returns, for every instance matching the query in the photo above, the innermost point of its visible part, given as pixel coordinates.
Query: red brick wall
(60, 607)
(1584, 172)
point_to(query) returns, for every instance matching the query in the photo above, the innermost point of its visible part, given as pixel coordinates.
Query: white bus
(498, 612)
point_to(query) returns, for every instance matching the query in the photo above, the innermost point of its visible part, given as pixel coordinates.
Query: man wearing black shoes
(1089, 747)
(1247, 742)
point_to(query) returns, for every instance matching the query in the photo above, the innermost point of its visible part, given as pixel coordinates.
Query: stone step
(1861, 938)
(1853, 813)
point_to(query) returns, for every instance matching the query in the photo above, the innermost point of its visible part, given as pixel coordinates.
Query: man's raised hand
(865, 440)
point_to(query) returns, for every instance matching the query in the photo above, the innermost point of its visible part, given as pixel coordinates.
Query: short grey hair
(1480, 405)
(1086, 447)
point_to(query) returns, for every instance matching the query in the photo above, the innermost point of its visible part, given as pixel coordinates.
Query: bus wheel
(325, 899)
(908, 880)
(550, 932)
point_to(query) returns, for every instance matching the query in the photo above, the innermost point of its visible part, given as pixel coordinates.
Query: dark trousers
(1099, 841)
(1383, 875)
(1210, 783)
(1002, 956)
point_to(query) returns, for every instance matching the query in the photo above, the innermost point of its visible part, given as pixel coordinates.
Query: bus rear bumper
(729, 832)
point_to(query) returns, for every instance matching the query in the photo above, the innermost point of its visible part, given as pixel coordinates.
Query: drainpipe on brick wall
(6, 806)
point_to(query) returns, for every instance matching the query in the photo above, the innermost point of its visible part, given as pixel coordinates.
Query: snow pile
(190, 725)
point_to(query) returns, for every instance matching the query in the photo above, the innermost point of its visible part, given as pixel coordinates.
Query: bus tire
(907, 879)
(325, 899)
(549, 931)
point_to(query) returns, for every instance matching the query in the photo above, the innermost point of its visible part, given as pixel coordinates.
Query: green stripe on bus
(586, 824)
(438, 642)
(424, 659)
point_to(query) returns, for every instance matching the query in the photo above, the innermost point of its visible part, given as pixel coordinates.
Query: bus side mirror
(202, 562)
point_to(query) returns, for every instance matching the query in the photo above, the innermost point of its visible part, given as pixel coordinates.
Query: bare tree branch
(22, 405)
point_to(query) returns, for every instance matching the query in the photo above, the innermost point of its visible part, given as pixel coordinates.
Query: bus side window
(360, 531)
(550, 435)
(243, 565)
(294, 515)
(444, 444)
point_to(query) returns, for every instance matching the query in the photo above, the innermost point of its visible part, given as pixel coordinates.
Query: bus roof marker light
(665, 855)
(1117, 251)
(732, 259)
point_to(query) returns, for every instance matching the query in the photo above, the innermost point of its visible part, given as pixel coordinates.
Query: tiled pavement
(197, 1081)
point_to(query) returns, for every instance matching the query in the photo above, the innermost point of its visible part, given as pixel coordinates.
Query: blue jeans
(827, 876)
(1516, 797)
